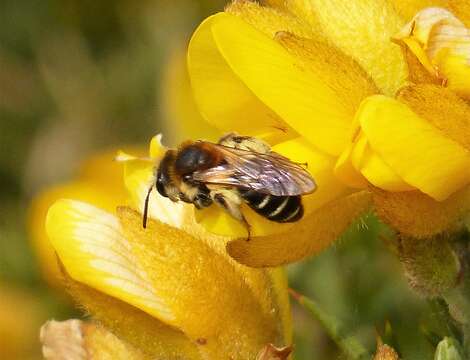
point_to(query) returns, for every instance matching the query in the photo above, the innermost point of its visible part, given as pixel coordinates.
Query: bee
(238, 169)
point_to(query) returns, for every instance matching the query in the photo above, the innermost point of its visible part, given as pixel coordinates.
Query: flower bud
(448, 349)
(271, 352)
(431, 265)
(441, 42)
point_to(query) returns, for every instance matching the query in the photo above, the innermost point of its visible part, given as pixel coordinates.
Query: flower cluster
(169, 290)
(372, 94)
(328, 84)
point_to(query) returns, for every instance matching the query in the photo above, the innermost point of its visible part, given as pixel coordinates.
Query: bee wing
(266, 173)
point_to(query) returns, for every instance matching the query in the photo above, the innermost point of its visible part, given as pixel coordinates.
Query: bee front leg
(202, 200)
(231, 202)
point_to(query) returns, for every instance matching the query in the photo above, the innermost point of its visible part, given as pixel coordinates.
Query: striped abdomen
(274, 208)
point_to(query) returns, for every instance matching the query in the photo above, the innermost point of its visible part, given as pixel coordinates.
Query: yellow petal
(379, 174)
(270, 20)
(366, 161)
(417, 72)
(442, 108)
(346, 172)
(343, 75)
(453, 58)
(418, 215)
(213, 81)
(88, 191)
(420, 27)
(102, 344)
(346, 165)
(132, 325)
(319, 230)
(279, 286)
(99, 182)
(320, 166)
(268, 286)
(362, 29)
(91, 245)
(304, 11)
(418, 152)
(302, 85)
(284, 83)
(461, 9)
(156, 149)
(181, 117)
(139, 178)
(408, 9)
(210, 300)
(359, 166)
(441, 42)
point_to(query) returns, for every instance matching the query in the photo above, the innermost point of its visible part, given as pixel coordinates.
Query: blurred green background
(77, 77)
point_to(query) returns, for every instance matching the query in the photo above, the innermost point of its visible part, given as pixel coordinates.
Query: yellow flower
(170, 290)
(98, 182)
(441, 43)
(75, 339)
(323, 82)
(181, 118)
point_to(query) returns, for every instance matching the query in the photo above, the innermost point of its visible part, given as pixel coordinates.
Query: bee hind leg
(231, 202)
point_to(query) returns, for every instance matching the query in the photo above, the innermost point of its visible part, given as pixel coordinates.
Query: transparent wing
(266, 173)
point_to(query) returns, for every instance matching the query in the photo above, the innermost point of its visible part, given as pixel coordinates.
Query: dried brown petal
(271, 352)
(385, 352)
(63, 340)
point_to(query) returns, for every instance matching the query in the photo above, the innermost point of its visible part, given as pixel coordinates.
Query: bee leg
(248, 228)
(231, 202)
(227, 138)
(202, 200)
(246, 143)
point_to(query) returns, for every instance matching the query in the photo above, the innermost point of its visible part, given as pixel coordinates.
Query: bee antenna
(146, 208)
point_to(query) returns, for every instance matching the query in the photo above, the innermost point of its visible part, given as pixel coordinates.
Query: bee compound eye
(160, 185)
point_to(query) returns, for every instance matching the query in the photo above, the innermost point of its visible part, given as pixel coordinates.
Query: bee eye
(161, 186)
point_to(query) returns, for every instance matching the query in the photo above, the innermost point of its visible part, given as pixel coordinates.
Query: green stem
(350, 345)
(466, 340)
(458, 298)
(439, 307)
